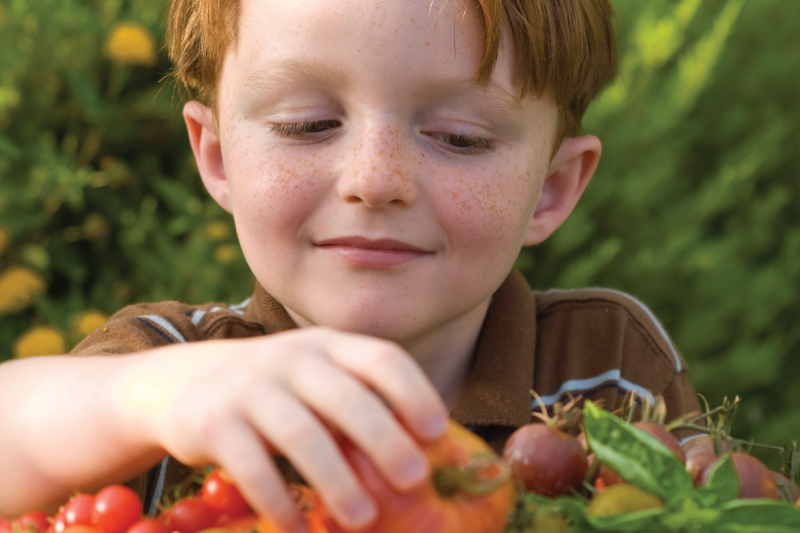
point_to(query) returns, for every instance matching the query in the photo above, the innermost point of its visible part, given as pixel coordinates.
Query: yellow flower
(18, 286)
(217, 231)
(40, 340)
(131, 44)
(88, 321)
(5, 238)
(226, 253)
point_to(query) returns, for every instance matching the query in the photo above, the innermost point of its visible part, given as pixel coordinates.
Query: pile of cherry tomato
(118, 509)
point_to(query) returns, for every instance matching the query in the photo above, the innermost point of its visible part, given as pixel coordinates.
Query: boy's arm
(77, 423)
(62, 430)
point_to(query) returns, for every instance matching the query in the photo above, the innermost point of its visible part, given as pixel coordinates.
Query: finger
(241, 453)
(345, 402)
(302, 438)
(394, 374)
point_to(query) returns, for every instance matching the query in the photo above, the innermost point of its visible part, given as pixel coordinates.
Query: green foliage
(98, 188)
(693, 208)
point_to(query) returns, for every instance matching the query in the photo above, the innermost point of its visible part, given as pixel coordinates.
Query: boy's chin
(398, 327)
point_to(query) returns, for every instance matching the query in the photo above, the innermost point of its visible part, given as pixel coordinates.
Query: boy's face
(375, 187)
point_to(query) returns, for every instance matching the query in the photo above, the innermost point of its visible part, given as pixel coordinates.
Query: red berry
(546, 460)
(755, 479)
(116, 508)
(78, 510)
(222, 496)
(148, 525)
(189, 516)
(35, 520)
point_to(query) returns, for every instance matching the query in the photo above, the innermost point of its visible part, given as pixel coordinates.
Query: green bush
(693, 208)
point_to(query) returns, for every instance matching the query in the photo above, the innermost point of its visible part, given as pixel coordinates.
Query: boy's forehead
(303, 36)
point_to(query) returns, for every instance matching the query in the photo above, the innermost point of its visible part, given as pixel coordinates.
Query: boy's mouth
(360, 251)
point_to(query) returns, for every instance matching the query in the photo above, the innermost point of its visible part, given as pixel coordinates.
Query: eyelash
(462, 144)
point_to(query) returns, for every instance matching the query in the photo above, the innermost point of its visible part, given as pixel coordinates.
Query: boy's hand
(233, 403)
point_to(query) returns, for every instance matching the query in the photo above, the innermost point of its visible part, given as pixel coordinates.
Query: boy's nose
(379, 171)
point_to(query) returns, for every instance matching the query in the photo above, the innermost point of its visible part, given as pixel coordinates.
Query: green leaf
(9, 149)
(759, 516)
(638, 457)
(722, 485)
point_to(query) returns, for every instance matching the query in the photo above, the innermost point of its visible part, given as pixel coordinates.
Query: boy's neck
(446, 354)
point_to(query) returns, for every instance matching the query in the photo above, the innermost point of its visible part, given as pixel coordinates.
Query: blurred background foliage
(693, 209)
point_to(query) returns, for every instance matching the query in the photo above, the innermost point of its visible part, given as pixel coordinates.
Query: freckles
(489, 208)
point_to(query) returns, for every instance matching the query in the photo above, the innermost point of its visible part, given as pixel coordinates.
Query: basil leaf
(759, 516)
(722, 485)
(638, 457)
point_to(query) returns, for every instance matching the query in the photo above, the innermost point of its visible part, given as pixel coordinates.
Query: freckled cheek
(272, 192)
(489, 211)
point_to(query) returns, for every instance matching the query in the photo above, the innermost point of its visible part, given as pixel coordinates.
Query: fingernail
(361, 513)
(435, 426)
(412, 472)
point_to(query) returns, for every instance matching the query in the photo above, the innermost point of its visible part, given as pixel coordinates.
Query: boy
(384, 163)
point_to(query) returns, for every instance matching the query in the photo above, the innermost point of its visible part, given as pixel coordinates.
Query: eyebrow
(272, 75)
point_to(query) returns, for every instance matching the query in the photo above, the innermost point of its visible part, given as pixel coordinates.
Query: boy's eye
(303, 130)
(463, 144)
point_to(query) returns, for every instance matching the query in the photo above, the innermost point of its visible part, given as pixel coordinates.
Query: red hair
(562, 48)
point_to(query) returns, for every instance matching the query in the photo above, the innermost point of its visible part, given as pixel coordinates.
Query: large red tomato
(470, 490)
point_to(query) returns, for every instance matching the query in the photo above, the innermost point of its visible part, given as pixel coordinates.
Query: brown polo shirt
(598, 343)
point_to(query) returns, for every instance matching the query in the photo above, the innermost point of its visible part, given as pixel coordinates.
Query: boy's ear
(204, 137)
(570, 171)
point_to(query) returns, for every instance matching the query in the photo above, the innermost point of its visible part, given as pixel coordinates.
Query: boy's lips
(361, 251)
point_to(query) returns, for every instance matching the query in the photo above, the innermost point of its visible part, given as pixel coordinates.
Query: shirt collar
(497, 391)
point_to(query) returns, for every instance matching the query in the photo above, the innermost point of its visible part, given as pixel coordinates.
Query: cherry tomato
(59, 522)
(189, 515)
(244, 523)
(78, 510)
(148, 525)
(755, 479)
(787, 490)
(622, 498)
(222, 496)
(35, 520)
(546, 460)
(5, 525)
(80, 528)
(700, 454)
(116, 508)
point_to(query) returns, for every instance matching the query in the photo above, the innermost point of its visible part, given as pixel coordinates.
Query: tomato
(116, 508)
(244, 523)
(222, 496)
(148, 525)
(5, 525)
(755, 479)
(78, 510)
(470, 490)
(80, 528)
(59, 522)
(622, 498)
(35, 520)
(786, 489)
(546, 460)
(700, 454)
(189, 515)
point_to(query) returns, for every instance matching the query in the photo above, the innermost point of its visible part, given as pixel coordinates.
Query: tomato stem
(484, 473)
